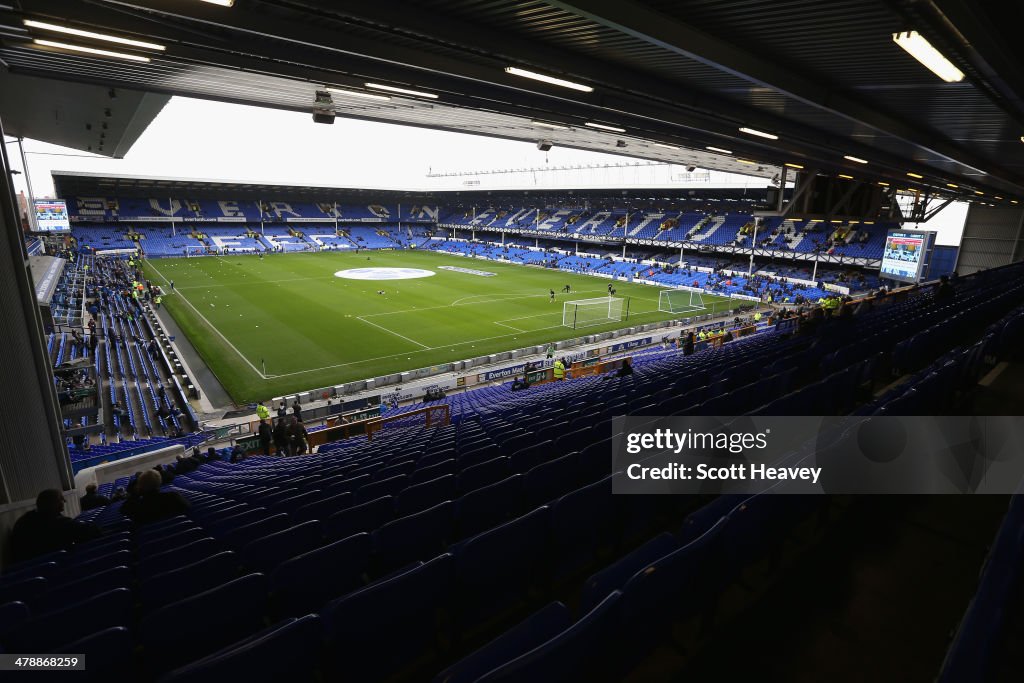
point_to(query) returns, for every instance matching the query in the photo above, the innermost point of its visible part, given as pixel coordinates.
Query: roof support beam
(643, 23)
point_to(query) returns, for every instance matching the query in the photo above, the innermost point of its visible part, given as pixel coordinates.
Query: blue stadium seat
(71, 570)
(614, 576)
(177, 584)
(43, 632)
(239, 537)
(219, 527)
(582, 522)
(421, 496)
(389, 626)
(484, 474)
(263, 554)
(73, 591)
(203, 623)
(525, 459)
(358, 518)
(305, 582)
(293, 503)
(434, 470)
(549, 480)
(583, 652)
(415, 537)
(288, 650)
(488, 506)
(174, 540)
(675, 587)
(178, 557)
(499, 571)
(536, 630)
(24, 589)
(377, 489)
(323, 508)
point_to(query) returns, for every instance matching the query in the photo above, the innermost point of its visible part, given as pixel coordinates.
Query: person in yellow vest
(702, 336)
(262, 411)
(757, 317)
(158, 300)
(559, 370)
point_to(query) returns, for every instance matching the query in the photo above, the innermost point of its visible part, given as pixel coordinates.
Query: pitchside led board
(52, 216)
(907, 254)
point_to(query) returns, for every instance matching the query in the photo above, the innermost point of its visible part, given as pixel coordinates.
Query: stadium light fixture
(747, 161)
(855, 159)
(601, 126)
(797, 166)
(516, 71)
(664, 146)
(883, 184)
(1014, 201)
(719, 149)
(222, 3)
(759, 133)
(356, 93)
(553, 126)
(91, 50)
(915, 175)
(869, 222)
(42, 25)
(955, 187)
(979, 193)
(403, 91)
(918, 47)
(845, 177)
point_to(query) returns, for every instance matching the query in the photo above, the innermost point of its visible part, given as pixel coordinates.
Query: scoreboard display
(52, 216)
(906, 254)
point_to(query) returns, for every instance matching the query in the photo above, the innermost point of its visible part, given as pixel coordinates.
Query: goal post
(192, 250)
(680, 301)
(589, 312)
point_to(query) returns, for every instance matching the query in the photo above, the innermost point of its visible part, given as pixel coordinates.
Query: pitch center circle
(384, 273)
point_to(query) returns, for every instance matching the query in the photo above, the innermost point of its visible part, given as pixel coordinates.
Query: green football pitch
(287, 323)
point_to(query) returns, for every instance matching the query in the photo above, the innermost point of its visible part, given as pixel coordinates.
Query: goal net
(679, 301)
(587, 312)
(194, 250)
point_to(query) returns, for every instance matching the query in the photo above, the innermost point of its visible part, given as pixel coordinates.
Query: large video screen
(52, 216)
(904, 255)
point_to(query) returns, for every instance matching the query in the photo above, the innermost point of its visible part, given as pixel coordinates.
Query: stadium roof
(84, 184)
(825, 78)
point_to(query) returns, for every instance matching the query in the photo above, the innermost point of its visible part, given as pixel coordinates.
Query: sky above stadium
(213, 140)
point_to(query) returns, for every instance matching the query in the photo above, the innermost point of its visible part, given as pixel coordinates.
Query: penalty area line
(402, 336)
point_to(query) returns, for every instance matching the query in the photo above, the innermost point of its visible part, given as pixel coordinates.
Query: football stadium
(519, 340)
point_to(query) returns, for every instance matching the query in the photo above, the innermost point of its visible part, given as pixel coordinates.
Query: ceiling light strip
(516, 71)
(42, 25)
(90, 50)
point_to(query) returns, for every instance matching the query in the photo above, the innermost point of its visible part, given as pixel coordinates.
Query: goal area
(679, 301)
(588, 312)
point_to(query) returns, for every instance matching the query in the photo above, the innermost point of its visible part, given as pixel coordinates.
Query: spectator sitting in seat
(150, 504)
(166, 474)
(237, 453)
(119, 494)
(626, 369)
(46, 529)
(91, 499)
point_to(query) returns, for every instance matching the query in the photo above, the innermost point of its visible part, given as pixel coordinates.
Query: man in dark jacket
(265, 437)
(150, 504)
(281, 440)
(46, 529)
(91, 499)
